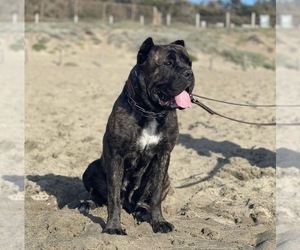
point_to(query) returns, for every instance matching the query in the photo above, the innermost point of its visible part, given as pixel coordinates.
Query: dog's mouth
(181, 101)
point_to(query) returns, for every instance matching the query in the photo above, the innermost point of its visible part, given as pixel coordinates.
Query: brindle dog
(141, 133)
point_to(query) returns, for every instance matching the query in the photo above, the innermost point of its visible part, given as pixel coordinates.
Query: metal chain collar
(144, 112)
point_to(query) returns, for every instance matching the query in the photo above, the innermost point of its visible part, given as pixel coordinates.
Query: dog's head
(166, 74)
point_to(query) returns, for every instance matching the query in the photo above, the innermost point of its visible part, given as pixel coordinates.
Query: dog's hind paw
(117, 231)
(84, 208)
(162, 227)
(142, 214)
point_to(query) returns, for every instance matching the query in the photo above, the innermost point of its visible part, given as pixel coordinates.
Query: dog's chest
(149, 135)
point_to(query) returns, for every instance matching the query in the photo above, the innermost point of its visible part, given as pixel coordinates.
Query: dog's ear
(144, 50)
(179, 42)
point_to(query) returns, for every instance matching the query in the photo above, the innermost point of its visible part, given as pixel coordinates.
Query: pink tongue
(183, 100)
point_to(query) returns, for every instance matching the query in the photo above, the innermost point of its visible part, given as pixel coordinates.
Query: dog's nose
(187, 74)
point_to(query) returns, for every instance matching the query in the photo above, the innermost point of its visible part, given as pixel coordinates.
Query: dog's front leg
(114, 181)
(160, 168)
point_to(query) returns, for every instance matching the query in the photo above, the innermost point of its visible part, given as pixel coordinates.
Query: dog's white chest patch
(149, 135)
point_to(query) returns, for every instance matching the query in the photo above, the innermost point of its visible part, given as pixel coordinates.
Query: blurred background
(152, 11)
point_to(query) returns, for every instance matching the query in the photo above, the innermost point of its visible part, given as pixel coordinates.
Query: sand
(223, 173)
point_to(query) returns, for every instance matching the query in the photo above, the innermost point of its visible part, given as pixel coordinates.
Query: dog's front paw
(162, 227)
(117, 231)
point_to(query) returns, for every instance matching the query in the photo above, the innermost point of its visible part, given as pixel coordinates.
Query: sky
(249, 2)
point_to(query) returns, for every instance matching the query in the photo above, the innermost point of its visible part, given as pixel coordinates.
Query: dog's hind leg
(85, 206)
(142, 210)
(95, 183)
(142, 213)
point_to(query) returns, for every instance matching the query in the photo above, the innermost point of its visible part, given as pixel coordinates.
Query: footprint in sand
(40, 197)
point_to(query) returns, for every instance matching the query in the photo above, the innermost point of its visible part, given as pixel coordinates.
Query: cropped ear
(144, 50)
(179, 42)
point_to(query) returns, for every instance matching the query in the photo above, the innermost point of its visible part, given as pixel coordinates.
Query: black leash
(248, 105)
(212, 112)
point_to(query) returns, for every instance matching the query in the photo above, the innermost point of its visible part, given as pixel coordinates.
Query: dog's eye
(167, 63)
